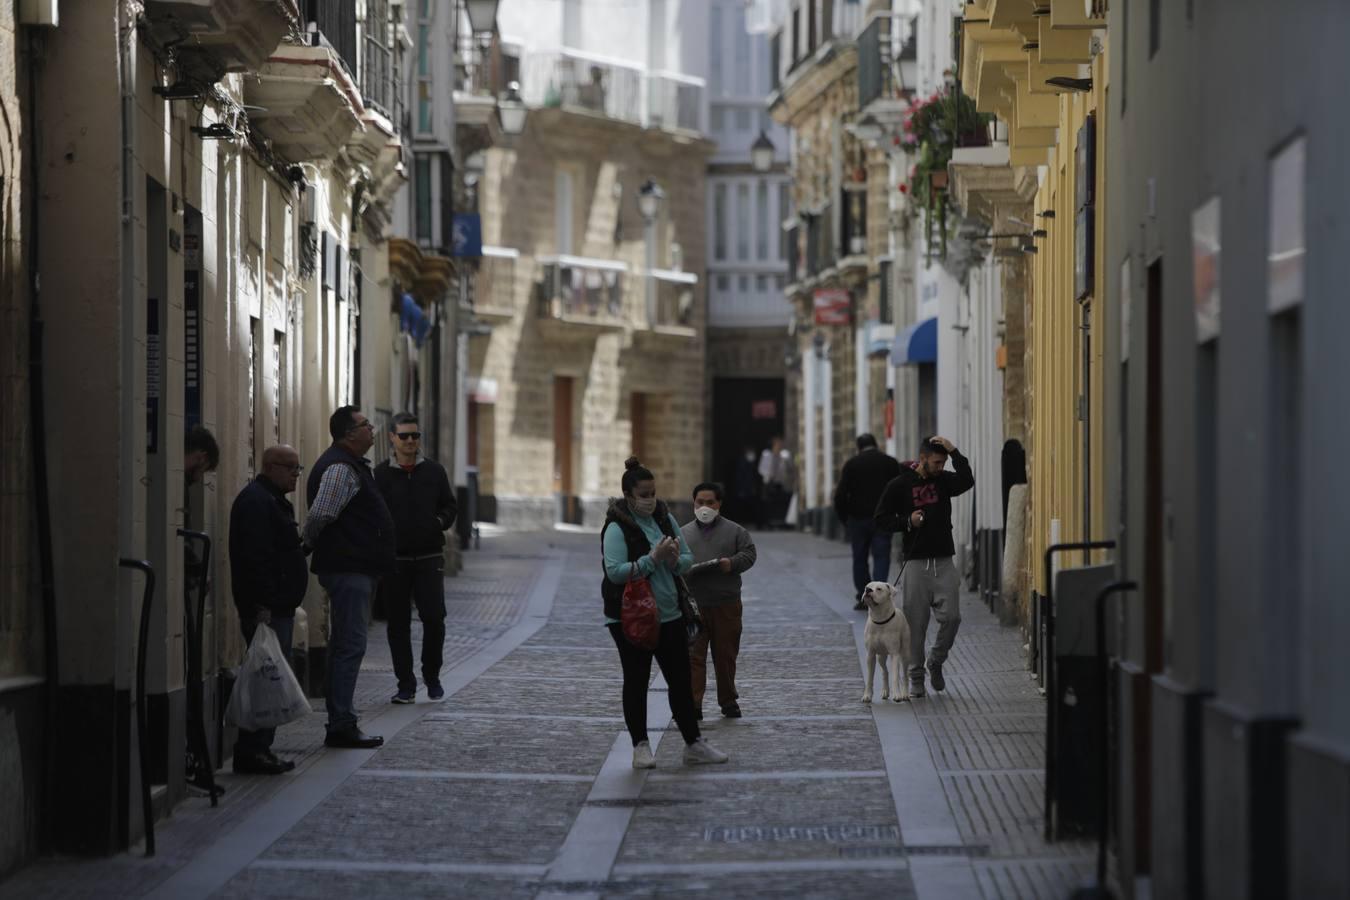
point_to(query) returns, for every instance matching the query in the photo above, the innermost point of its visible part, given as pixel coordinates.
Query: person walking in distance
(352, 533)
(417, 492)
(641, 539)
(268, 578)
(722, 551)
(861, 483)
(918, 502)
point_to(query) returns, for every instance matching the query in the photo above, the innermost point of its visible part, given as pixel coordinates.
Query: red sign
(764, 409)
(832, 306)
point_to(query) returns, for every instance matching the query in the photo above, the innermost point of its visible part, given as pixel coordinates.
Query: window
(278, 353)
(424, 70)
(743, 51)
(562, 210)
(743, 221)
(720, 222)
(723, 283)
(762, 220)
(762, 284)
(717, 82)
(743, 283)
(784, 211)
(1154, 27)
(422, 192)
(743, 119)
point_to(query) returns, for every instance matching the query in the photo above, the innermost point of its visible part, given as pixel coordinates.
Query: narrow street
(520, 784)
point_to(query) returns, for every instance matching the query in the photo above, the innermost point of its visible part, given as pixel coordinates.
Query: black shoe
(698, 715)
(732, 711)
(261, 764)
(289, 764)
(916, 688)
(935, 676)
(859, 605)
(353, 738)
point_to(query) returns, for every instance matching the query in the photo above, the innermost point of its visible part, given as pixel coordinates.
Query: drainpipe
(1085, 416)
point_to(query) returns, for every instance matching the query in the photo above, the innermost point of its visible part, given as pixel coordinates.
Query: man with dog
(861, 482)
(918, 503)
(722, 551)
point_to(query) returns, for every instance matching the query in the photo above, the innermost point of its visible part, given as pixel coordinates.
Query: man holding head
(417, 492)
(918, 502)
(352, 534)
(268, 577)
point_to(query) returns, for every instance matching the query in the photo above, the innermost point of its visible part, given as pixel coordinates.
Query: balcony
(381, 64)
(223, 35)
(583, 82)
(477, 84)
(493, 294)
(671, 314)
(308, 106)
(334, 24)
(749, 301)
(575, 295)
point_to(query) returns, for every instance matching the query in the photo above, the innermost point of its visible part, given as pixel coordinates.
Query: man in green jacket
(722, 551)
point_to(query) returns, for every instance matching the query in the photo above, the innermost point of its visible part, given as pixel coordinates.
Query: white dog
(886, 634)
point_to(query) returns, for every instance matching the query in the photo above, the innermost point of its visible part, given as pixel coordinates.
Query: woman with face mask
(645, 542)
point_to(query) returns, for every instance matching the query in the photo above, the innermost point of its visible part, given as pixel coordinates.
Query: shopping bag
(640, 619)
(266, 693)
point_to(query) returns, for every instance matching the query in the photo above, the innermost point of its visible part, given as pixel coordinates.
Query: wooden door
(562, 435)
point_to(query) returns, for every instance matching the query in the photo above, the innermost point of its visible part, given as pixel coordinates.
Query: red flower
(904, 189)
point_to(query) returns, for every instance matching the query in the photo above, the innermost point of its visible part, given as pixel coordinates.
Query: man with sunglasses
(352, 534)
(418, 494)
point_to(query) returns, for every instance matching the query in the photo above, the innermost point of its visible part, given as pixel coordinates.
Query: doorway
(747, 414)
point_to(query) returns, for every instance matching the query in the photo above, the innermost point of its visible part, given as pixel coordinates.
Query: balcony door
(564, 481)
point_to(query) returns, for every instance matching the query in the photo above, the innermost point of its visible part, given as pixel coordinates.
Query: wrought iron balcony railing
(581, 290)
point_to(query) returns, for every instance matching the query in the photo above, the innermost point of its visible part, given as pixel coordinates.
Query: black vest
(361, 539)
(638, 547)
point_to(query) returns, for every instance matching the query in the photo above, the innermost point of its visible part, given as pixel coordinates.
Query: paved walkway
(520, 784)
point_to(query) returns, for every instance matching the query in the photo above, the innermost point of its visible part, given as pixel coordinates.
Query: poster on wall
(1205, 246)
(1284, 265)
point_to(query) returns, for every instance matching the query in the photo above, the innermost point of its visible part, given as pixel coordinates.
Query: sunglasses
(409, 435)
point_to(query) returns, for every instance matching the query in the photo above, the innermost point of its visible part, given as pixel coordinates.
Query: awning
(916, 344)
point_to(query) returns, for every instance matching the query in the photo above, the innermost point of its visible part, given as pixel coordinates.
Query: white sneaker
(700, 752)
(642, 756)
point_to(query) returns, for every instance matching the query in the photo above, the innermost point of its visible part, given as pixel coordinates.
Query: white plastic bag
(266, 693)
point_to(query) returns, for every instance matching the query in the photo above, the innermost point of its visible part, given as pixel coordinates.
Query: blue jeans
(349, 595)
(255, 743)
(868, 539)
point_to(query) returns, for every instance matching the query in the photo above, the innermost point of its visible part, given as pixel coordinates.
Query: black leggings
(672, 655)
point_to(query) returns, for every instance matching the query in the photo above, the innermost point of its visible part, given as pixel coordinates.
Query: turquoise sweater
(619, 570)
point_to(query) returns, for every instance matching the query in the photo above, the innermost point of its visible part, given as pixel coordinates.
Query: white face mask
(643, 507)
(705, 514)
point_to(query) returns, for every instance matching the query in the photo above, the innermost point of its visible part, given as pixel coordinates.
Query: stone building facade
(596, 345)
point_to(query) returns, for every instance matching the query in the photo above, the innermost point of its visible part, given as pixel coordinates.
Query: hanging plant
(928, 132)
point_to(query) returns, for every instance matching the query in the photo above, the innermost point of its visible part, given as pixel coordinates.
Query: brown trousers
(721, 630)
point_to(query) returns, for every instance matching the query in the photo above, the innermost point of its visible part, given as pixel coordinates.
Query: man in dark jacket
(919, 503)
(352, 534)
(417, 492)
(861, 482)
(268, 577)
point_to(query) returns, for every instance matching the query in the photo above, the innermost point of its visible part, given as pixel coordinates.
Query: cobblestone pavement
(520, 784)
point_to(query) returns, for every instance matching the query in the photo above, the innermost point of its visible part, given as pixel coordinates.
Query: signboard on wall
(466, 237)
(832, 306)
(1205, 268)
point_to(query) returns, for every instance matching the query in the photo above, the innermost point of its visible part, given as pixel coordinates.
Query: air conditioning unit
(38, 12)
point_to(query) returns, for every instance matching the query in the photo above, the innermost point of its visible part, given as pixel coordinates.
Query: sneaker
(642, 756)
(916, 688)
(701, 752)
(286, 764)
(405, 697)
(435, 693)
(732, 711)
(935, 676)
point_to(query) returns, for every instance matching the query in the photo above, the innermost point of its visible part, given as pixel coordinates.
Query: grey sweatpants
(931, 584)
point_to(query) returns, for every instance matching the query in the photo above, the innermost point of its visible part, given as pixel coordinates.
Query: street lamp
(482, 14)
(761, 153)
(511, 110)
(650, 197)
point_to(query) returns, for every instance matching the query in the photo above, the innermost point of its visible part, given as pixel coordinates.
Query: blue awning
(916, 344)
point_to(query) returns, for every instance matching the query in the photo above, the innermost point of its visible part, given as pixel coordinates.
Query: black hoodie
(910, 491)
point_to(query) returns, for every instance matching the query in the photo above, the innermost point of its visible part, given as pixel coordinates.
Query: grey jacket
(724, 538)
